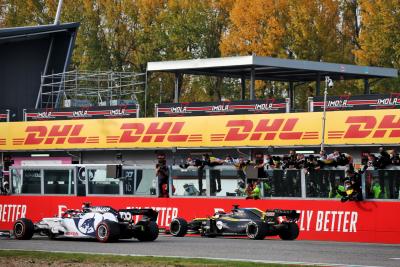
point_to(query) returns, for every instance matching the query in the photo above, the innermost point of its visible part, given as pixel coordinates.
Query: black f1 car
(101, 222)
(250, 222)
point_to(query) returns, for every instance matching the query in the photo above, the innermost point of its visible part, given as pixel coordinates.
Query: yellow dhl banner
(287, 129)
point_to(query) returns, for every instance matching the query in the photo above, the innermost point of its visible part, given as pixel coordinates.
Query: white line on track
(207, 258)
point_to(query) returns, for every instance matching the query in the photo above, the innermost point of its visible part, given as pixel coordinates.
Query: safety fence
(219, 181)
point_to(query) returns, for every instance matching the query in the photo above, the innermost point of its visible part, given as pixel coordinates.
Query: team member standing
(162, 174)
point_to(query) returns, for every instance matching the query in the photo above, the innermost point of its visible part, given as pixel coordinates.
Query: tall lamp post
(328, 83)
(160, 91)
(58, 13)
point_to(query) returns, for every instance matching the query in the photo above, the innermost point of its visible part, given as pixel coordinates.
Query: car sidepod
(84, 226)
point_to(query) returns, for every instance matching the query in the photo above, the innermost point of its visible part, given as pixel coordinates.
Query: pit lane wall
(366, 221)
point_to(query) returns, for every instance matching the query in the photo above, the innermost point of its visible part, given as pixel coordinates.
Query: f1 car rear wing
(292, 215)
(148, 214)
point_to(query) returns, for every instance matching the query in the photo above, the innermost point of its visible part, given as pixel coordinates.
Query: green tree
(380, 39)
(91, 52)
(123, 35)
(323, 30)
(192, 29)
(313, 29)
(25, 13)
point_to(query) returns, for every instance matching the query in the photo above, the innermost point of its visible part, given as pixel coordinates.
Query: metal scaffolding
(90, 88)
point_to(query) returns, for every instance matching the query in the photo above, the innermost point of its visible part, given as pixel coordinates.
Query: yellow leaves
(379, 38)
(267, 27)
(256, 27)
(126, 34)
(313, 29)
(148, 10)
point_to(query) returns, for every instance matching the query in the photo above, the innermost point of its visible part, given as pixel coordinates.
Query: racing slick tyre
(291, 232)
(149, 231)
(107, 231)
(178, 227)
(255, 230)
(23, 229)
(210, 235)
(51, 235)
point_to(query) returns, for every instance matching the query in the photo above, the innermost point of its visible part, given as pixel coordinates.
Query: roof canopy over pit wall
(272, 69)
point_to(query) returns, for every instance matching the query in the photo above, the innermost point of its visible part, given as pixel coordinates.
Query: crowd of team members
(265, 163)
(348, 188)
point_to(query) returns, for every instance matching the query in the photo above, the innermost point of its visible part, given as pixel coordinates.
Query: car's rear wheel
(255, 230)
(178, 227)
(23, 229)
(107, 231)
(291, 232)
(149, 231)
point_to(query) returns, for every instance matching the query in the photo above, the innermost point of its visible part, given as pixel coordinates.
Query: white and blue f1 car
(101, 222)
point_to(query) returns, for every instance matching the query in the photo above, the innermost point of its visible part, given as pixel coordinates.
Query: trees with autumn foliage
(379, 39)
(123, 35)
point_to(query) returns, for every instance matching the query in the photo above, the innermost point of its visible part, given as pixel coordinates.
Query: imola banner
(265, 106)
(366, 221)
(357, 102)
(107, 112)
(291, 129)
(4, 115)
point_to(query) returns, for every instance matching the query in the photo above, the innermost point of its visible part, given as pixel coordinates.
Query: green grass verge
(80, 259)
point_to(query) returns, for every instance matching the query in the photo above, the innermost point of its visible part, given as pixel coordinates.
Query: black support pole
(176, 94)
(252, 83)
(291, 95)
(367, 91)
(318, 85)
(243, 91)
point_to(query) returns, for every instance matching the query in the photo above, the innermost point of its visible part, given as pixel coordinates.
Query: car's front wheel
(23, 229)
(107, 231)
(178, 227)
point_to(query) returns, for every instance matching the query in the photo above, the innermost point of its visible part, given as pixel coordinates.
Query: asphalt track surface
(270, 250)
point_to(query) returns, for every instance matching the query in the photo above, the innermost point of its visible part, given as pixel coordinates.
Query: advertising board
(286, 129)
(365, 221)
